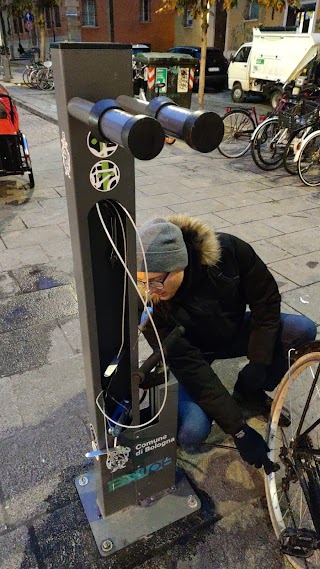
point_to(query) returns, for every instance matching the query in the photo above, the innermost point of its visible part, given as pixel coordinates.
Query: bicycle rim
(33, 78)
(287, 502)
(25, 77)
(238, 129)
(266, 154)
(309, 161)
(42, 79)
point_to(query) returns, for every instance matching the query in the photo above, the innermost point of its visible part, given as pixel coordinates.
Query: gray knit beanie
(164, 247)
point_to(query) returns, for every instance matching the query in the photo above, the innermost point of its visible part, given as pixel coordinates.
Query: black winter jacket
(223, 276)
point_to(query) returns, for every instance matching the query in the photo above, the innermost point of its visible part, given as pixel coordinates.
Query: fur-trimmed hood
(199, 237)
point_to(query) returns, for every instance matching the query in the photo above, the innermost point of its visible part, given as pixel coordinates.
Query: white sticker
(183, 80)
(100, 149)
(65, 156)
(117, 458)
(104, 176)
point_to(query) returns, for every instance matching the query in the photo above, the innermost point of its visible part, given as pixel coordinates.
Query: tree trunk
(202, 78)
(5, 60)
(42, 29)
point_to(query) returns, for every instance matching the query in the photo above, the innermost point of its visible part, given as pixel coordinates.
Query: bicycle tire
(289, 153)
(309, 160)
(286, 513)
(238, 129)
(25, 76)
(264, 155)
(42, 79)
(33, 78)
(31, 179)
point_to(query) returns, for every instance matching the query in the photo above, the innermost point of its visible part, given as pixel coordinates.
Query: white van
(268, 62)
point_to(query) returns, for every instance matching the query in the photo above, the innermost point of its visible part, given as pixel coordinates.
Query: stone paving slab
(20, 256)
(32, 236)
(31, 347)
(299, 243)
(302, 270)
(305, 300)
(13, 553)
(36, 460)
(294, 222)
(36, 307)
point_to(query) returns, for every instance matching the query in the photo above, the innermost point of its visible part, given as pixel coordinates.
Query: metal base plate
(134, 523)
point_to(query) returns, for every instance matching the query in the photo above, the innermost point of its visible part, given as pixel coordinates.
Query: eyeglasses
(155, 285)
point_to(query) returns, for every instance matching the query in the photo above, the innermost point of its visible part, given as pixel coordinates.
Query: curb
(34, 111)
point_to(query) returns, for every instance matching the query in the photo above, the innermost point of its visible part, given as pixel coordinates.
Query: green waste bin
(176, 70)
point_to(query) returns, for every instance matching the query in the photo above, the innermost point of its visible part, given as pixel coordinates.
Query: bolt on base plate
(134, 523)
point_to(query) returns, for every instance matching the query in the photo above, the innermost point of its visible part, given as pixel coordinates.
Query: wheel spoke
(238, 128)
(293, 493)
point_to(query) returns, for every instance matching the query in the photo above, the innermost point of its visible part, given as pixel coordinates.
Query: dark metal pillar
(144, 482)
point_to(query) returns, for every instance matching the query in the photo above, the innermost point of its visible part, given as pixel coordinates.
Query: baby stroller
(14, 152)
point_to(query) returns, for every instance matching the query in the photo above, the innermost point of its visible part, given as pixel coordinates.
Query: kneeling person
(205, 281)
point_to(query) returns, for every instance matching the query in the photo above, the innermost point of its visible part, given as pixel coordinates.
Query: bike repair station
(134, 492)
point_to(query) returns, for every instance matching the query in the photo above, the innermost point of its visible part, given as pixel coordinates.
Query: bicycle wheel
(293, 492)
(42, 79)
(25, 76)
(268, 144)
(33, 78)
(309, 160)
(295, 142)
(238, 129)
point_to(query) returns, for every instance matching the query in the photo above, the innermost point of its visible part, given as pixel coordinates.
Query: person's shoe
(259, 404)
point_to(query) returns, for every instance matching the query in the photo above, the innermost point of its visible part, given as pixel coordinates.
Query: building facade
(138, 21)
(123, 21)
(228, 30)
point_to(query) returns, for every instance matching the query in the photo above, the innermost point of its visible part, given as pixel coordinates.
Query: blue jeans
(193, 424)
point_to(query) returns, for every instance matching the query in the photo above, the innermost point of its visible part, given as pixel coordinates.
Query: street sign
(28, 26)
(28, 17)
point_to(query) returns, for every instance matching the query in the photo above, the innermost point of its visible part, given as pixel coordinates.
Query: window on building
(252, 11)
(57, 17)
(48, 18)
(145, 15)
(89, 13)
(187, 18)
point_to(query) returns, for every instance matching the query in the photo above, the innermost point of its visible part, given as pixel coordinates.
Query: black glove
(251, 378)
(252, 447)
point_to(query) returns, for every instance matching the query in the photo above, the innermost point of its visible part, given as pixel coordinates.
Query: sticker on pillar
(117, 458)
(183, 80)
(65, 156)
(100, 149)
(162, 77)
(104, 176)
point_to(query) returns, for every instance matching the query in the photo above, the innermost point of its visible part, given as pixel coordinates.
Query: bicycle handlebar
(155, 358)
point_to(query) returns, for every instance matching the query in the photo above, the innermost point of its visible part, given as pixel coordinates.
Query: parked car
(216, 65)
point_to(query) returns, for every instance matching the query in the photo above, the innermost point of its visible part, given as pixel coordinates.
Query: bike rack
(133, 490)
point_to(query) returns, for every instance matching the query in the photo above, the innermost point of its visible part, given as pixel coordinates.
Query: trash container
(175, 70)
(35, 55)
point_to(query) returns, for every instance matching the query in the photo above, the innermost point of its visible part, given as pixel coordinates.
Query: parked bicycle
(240, 124)
(39, 76)
(293, 491)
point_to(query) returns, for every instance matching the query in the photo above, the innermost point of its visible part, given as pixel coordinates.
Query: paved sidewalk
(43, 414)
